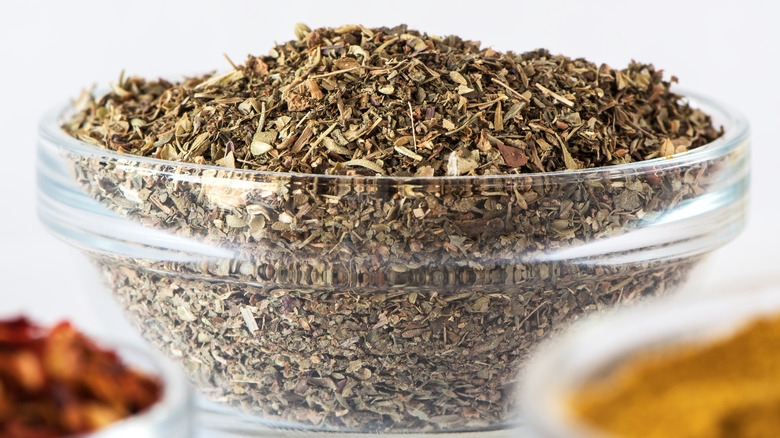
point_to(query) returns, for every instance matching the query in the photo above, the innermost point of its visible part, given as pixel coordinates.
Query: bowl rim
(602, 342)
(735, 126)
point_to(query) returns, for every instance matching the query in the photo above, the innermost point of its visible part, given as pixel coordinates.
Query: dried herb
(358, 101)
(401, 303)
(56, 382)
(399, 358)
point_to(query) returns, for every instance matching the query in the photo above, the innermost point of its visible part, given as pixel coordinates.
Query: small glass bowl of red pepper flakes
(56, 382)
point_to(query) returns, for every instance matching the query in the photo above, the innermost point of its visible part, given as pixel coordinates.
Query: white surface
(50, 50)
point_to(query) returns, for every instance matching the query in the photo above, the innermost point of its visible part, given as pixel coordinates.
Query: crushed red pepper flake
(56, 382)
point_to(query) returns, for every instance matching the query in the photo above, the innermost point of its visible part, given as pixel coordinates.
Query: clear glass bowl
(591, 349)
(380, 304)
(170, 417)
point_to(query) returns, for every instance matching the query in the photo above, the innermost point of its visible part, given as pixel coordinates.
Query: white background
(49, 51)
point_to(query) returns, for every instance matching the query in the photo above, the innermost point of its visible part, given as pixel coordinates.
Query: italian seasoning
(392, 299)
(357, 101)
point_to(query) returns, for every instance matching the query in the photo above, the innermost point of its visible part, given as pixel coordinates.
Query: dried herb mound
(353, 100)
(56, 382)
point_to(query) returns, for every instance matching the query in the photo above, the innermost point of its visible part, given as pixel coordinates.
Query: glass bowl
(595, 347)
(380, 304)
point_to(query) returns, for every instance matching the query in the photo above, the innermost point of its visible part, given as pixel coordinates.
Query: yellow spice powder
(727, 389)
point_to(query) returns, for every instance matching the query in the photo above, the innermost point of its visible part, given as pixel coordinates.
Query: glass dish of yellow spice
(693, 369)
